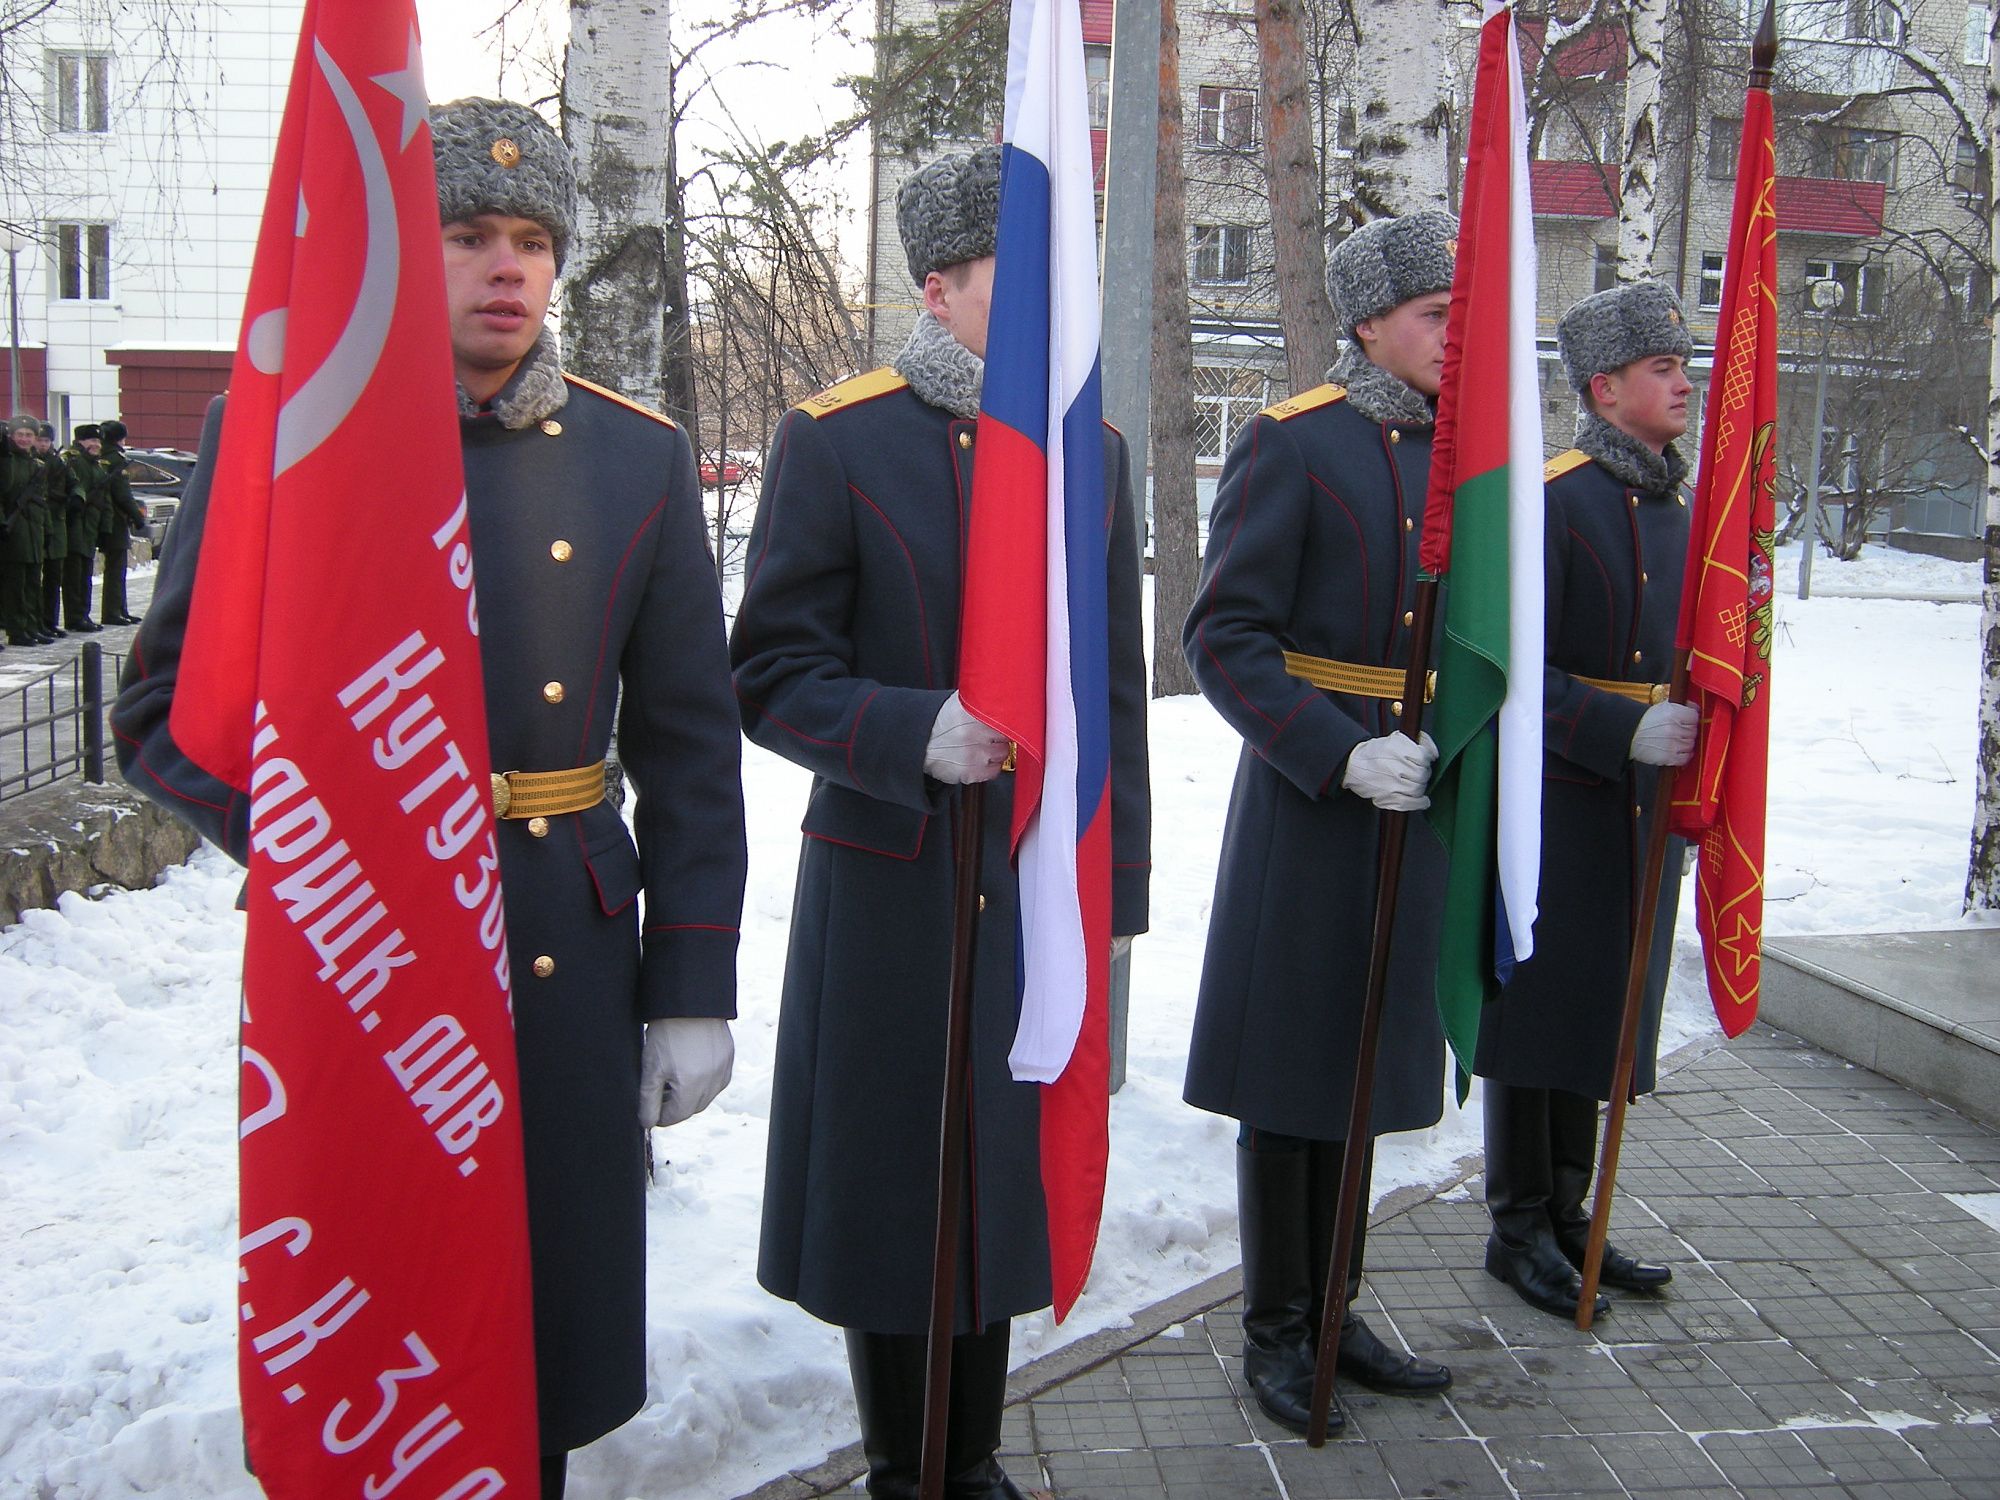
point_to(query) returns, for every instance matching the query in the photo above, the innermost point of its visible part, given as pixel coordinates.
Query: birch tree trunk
(625, 284)
(1291, 167)
(1175, 553)
(1645, 30)
(1402, 156)
(1982, 875)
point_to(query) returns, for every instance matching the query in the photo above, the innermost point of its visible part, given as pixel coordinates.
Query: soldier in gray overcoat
(598, 607)
(845, 650)
(1617, 536)
(1299, 636)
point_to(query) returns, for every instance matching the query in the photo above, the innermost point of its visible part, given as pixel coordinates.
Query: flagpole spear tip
(1764, 50)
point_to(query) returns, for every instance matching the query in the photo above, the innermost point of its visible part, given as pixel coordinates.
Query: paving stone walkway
(1833, 1329)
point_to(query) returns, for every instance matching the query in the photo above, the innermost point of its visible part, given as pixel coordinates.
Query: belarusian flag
(1483, 539)
(1726, 603)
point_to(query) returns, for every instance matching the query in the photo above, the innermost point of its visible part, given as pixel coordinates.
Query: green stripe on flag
(1472, 682)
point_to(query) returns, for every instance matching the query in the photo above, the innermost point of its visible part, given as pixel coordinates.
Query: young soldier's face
(22, 438)
(43, 444)
(961, 298)
(92, 446)
(499, 273)
(1408, 341)
(1648, 399)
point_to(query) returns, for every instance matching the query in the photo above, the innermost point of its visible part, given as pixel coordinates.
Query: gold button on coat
(1408, 524)
(1645, 577)
(1396, 708)
(1638, 656)
(544, 967)
(551, 426)
(965, 440)
(1409, 617)
(982, 903)
(538, 828)
(1395, 436)
(552, 691)
(561, 551)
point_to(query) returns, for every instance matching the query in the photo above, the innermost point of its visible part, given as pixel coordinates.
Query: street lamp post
(1827, 295)
(13, 242)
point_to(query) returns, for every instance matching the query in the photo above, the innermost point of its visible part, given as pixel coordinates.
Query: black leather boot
(888, 1371)
(1272, 1201)
(1364, 1358)
(972, 1470)
(1522, 1249)
(1573, 1157)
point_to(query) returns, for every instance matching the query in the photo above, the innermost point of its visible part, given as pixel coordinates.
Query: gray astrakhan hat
(948, 211)
(1386, 262)
(1607, 330)
(494, 156)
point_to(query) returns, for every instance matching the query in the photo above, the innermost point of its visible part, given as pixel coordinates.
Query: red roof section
(1572, 190)
(1829, 205)
(1599, 52)
(1097, 21)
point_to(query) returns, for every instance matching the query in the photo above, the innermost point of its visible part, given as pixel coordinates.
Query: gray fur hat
(1386, 262)
(1608, 330)
(949, 211)
(498, 157)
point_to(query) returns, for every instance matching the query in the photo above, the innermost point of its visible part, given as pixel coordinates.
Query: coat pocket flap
(855, 821)
(614, 866)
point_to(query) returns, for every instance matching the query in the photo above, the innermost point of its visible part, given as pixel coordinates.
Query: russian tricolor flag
(1033, 655)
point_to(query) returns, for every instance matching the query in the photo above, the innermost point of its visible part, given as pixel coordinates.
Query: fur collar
(941, 370)
(1628, 459)
(533, 391)
(1378, 395)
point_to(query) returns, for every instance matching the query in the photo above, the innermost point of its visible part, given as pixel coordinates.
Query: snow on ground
(118, 1087)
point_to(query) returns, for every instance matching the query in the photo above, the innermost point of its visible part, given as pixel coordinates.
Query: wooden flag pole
(1628, 1030)
(1388, 877)
(951, 1136)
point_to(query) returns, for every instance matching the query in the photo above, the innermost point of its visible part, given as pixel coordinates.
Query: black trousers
(20, 597)
(52, 587)
(113, 606)
(76, 588)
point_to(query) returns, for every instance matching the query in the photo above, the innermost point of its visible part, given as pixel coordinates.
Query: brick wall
(163, 393)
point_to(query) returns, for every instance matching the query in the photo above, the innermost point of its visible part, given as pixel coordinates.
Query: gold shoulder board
(1562, 463)
(1318, 396)
(852, 391)
(624, 401)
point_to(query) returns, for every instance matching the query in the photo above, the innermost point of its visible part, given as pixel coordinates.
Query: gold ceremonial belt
(1638, 692)
(1347, 677)
(543, 794)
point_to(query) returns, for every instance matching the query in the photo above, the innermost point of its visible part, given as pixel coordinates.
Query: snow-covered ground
(118, 1094)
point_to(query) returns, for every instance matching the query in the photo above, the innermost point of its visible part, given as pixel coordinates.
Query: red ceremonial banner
(385, 1337)
(1726, 604)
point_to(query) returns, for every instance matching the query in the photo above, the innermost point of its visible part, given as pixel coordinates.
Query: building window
(1346, 130)
(1965, 169)
(1225, 397)
(1864, 282)
(1978, 33)
(1222, 254)
(1855, 155)
(1971, 293)
(1708, 291)
(1873, 21)
(1603, 268)
(82, 262)
(1225, 118)
(1097, 75)
(80, 91)
(1725, 137)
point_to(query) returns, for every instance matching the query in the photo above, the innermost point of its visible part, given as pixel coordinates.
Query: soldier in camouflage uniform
(24, 515)
(86, 518)
(60, 494)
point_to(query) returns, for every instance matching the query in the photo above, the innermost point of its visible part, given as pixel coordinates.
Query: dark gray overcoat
(1614, 556)
(628, 621)
(1312, 547)
(845, 648)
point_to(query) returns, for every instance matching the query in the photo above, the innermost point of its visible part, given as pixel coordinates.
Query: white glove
(686, 1063)
(1665, 736)
(1392, 771)
(963, 749)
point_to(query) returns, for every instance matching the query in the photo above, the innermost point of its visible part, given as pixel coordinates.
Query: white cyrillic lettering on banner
(435, 1038)
(432, 1431)
(480, 1484)
(452, 768)
(459, 826)
(448, 1083)
(328, 943)
(403, 668)
(365, 980)
(489, 866)
(458, 1133)
(272, 1108)
(303, 891)
(411, 730)
(441, 538)
(493, 926)
(295, 1231)
(310, 1328)
(387, 1382)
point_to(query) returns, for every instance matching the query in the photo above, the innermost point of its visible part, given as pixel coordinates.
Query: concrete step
(1921, 1007)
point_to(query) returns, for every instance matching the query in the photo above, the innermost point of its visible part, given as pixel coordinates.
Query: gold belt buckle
(503, 795)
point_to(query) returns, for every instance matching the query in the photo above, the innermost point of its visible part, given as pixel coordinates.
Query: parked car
(726, 469)
(156, 476)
